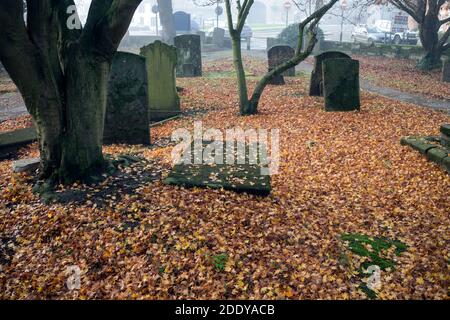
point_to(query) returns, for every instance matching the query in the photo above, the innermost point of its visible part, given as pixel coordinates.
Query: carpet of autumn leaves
(401, 74)
(339, 173)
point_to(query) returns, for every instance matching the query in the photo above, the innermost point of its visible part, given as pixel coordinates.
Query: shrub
(289, 35)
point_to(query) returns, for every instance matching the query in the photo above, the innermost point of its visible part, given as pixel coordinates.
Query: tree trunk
(86, 92)
(244, 104)
(166, 17)
(429, 36)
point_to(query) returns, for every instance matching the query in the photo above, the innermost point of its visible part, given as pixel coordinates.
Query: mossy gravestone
(127, 118)
(189, 54)
(446, 71)
(163, 99)
(445, 135)
(278, 55)
(341, 84)
(244, 175)
(316, 82)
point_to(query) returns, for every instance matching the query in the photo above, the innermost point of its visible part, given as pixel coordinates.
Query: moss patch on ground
(377, 251)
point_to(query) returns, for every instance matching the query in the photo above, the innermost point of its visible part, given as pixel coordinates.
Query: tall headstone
(446, 71)
(127, 115)
(341, 84)
(316, 82)
(182, 21)
(163, 98)
(218, 37)
(189, 55)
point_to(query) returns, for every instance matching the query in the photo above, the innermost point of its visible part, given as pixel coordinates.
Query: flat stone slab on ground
(235, 177)
(18, 137)
(432, 147)
(26, 165)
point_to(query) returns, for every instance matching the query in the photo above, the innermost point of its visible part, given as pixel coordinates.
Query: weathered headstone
(315, 87)
(202, 35)
(182, 21)
(189, 55)
(163, 98)
(446, 71)
(127, 115)
(278, 55)
(218, 37)
(341, 84)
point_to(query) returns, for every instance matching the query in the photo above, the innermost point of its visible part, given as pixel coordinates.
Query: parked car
(383, 33)
(398, 31)
(370, 35)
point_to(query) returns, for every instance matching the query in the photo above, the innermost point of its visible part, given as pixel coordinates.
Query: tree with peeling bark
(62, 74)
(249, 105)
(427, 14)
(166, 16)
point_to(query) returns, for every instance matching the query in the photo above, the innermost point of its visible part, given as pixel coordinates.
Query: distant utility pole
(155, 10)
(287, 6)
(343, 4)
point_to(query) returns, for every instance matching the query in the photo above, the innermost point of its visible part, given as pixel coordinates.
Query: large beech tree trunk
(166, 16)
(62, 74)
(429, 37)
(86, 91)
(426, 14)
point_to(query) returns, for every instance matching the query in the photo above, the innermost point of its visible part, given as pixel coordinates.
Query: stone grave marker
(127, 112)
(218, 37)
(341, 84)
(445, 135)
(280, 54)
(242, 176)
(160, 61)
(189, 55)
(277, 55)
(446, 71)
(315, 87)
(182, 21)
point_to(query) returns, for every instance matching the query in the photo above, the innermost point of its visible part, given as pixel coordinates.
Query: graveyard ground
(347, 194)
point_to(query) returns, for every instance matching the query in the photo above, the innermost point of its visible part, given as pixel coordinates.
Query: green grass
(371, 248)
(220, 261)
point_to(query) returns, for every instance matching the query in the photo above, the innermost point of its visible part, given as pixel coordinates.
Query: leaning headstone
(163, 98)
(278, 55)
(341, 84)
(127, 115)
(182, 21)
(218, 37)
(446, 71)
(315, 87)
(26, 165)
(189, 55)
